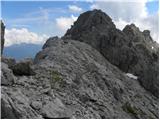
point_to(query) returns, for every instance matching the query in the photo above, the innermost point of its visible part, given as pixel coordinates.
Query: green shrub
(127, 107)
(56, 79)
(56, 76)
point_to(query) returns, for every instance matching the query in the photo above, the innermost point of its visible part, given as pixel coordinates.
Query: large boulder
(7, 77)
(2, 35)
(23, 67)
(132, 52)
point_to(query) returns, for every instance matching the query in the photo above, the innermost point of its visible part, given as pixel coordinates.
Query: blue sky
(43, 19)
(11, 11)
(152, 7)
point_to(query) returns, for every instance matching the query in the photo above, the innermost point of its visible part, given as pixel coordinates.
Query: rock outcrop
(7, 77)
(130, 50)
(2, 36)
(147, 52)
(85, 74)
(23, 67)
(73, 80)
(9, 61)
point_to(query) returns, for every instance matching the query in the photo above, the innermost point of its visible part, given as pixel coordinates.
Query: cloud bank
(18, 36)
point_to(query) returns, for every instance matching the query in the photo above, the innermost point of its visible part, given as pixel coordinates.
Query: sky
(32, 22)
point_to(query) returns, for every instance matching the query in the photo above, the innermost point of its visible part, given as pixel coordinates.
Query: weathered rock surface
(130, 50)
(73, 80)
(2, 35)
(147, 52)
(23, 67)
(7, 77)
(9, 61)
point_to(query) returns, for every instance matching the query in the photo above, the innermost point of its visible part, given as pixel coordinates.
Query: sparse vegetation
(127, 107)
(136, 112)
(56, 78)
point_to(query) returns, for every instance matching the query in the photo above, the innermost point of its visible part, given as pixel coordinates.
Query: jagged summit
(94, 20)
(134, 29)
(125, 49)
(146, 33)
(131, 29)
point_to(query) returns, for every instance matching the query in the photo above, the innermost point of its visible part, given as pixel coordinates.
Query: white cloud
(94, 6)
(126, 12)
(64, 23)
(75, 8)
(18, 36)
(120, 24)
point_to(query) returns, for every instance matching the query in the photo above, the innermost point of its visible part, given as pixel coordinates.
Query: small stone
(37, 105)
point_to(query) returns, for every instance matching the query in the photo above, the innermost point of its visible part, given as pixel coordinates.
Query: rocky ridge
(73, 78)
(130, 50)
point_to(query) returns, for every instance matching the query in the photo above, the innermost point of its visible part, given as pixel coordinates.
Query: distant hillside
(22, 50)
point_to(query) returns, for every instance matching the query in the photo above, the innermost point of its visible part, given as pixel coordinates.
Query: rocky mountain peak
(131, 29)
(125, 49)
(94, 20)
(146, 33)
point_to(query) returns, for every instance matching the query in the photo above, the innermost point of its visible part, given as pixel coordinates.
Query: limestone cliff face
(130, 50)
(2, 36)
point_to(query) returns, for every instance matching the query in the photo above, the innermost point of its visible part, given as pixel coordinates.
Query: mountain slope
(73, 80)
(130, 50)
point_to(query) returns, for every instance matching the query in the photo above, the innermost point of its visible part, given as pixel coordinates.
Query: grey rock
(7, 107)
(130, 50)
(84, 77)
(49, 42)
(7, 77)
(97, 29)
(9, 61)
(37, 105)
(76, 81)
(16, 105)
(23, 67)
(147, 52)
(2, 36)
(56, 109)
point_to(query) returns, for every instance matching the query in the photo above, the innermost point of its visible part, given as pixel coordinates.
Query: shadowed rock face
(147, 52)
(130, 50)
(2, 36)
